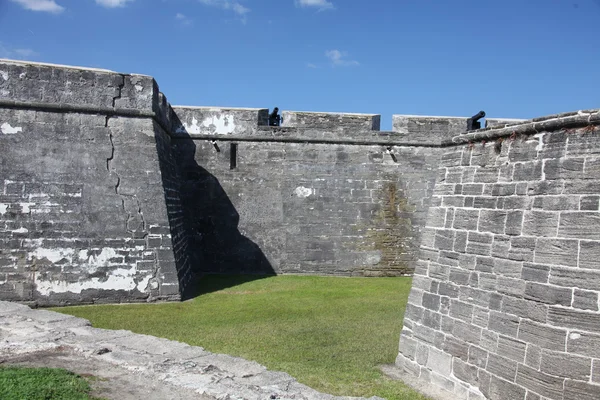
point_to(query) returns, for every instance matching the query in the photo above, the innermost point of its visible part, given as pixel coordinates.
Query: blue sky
(511, 58)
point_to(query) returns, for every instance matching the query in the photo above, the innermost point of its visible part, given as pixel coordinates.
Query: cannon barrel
(472, 123)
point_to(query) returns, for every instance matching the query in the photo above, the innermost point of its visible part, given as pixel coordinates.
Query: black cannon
(274, 118)
(472, 123)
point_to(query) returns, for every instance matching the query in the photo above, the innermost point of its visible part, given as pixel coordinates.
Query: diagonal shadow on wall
(215, 244)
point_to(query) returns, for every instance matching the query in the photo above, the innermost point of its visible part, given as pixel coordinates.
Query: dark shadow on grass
(213, 283)
(215, 245)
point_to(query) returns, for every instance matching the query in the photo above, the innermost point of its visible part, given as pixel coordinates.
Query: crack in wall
(124, 206)
(119, 93)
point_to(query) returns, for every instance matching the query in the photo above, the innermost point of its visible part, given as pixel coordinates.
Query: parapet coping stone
(216, 108)
(29, 331)
(80, 68)
(330, 113)
(533, 126)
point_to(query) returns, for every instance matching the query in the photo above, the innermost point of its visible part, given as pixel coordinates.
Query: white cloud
(40, 5)
(19, 54)
(183, 19)
(338, 58)
(112, 3)
(25, 53)
(320, 4)
(311, 65)
(234, 6)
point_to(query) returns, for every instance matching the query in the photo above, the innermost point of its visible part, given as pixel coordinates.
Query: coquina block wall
(109, 194)
(505, 297)
(323, 194)
(89, 192)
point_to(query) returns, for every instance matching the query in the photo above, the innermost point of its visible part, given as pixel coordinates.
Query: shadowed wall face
(505, 297)
(309, 208)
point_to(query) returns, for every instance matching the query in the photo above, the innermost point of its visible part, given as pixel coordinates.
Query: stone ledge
(331, 121)
(555, 122)
(25, 331)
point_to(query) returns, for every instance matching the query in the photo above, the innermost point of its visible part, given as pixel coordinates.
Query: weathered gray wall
(505, 297)
(309, 200)
(110, 194)
(83, 216)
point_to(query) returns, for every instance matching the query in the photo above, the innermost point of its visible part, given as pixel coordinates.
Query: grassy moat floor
(19, 383)
(329, 333)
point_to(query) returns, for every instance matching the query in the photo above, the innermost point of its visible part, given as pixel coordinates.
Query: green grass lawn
(18, 383)
(329, 333)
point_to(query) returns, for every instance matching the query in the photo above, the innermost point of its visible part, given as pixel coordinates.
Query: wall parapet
(533, 126)
(331, 121)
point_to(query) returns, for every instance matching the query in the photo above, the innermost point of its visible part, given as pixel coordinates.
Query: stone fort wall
(505, 297)
(109, 194)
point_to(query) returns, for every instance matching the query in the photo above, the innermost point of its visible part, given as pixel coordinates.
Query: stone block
(589, 255)
(521, 248)
(556, 203)
(508, 268)
(408, 347)
(431, 320)
(439, 272)
(503, 189)
(504, 323)
(493, 221)
(460, 241)
(479, 243)
(589, 203)
(574, 319)
(431, 301)
(514, 223)
(477, 356)
(540, 223)
(489, 341)
(543, 384)
(459, 276)
(460, 310)
(528, 171)
(546, 188)
(533, 356)
(581, 390)
(525, 308)
(535, 273)
(596, 372)
(557, 251)
(439, 362)
(485, 202)
(585, 300)
(512, 349)
(466, 219)
(519, 202)
(467, 332)
(545, 336)
(465, 372)
(481, 317)
(548, 294)
(422, 354)
(456, 347)
(581, 225)
(501, 367)
(510, 286)
(444, 239)
(564, 168)
(574, 277)
(566, 365)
